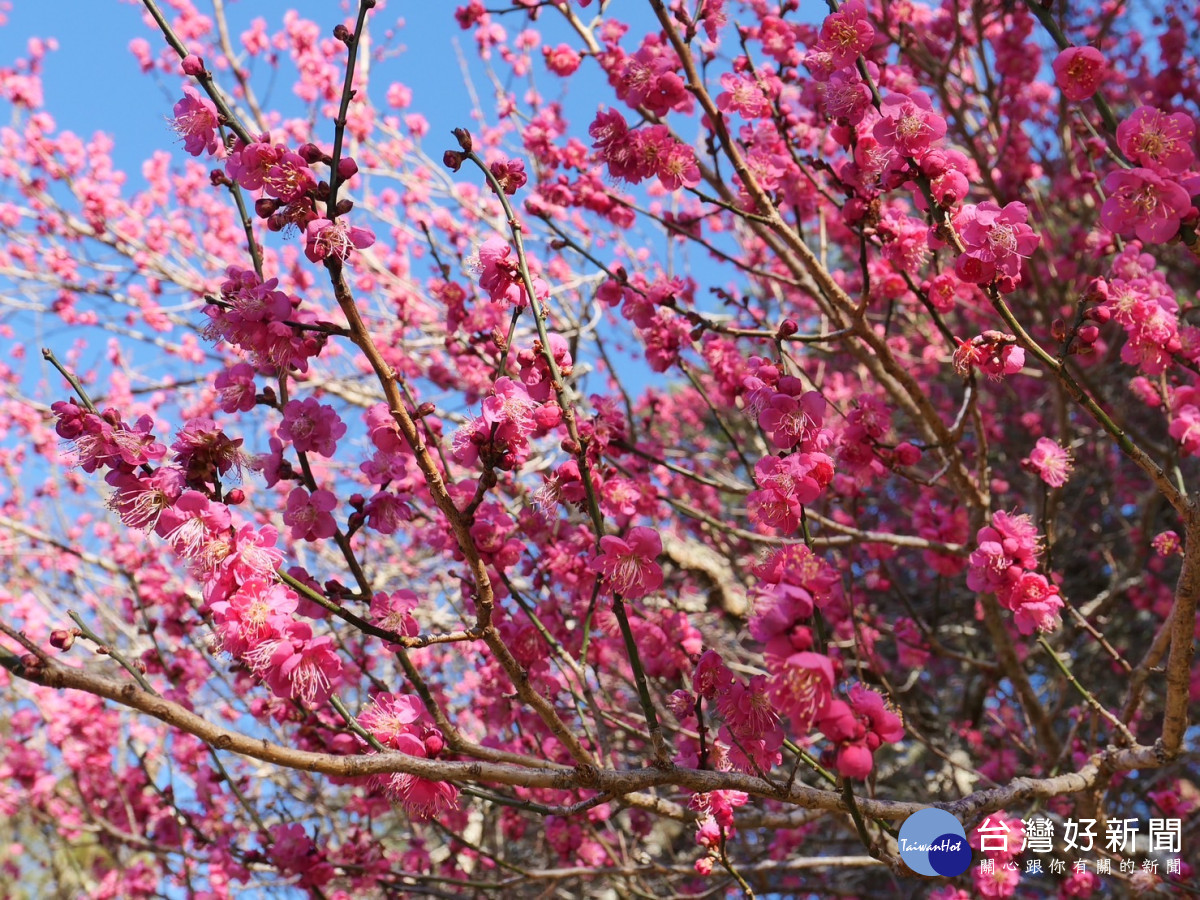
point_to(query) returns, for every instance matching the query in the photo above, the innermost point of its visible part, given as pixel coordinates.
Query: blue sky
(93, 82)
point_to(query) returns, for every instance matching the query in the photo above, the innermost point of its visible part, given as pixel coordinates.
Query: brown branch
(618, 783)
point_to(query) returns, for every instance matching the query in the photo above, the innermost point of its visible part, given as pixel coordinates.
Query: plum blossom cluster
(399, 722)
(1151, 200)
(997, 240)
(260, 320)
(289, 192)
(1005, 564)
(253, 613)
(288, 185)
(500, 435)
(994, 353)
(651, 151)
(1141, 301)
(792, 418)
(788, 219)
(650, 306)
(794, 585)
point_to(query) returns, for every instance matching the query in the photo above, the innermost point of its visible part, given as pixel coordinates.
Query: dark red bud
(425, 409)
(787, 328)
(570, 446)
(63, 638)
(342, 33)
(452, 160)
(235, 497)
(464, 139)
(310, 153)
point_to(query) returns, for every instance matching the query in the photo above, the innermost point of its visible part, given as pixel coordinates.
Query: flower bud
(787, 328)
(347, 168)
(434, 744)
(464, 139)
(63, 638)
(311, 153)
(452, 160)
(907, 454)
(192, 65)
(1089, 333)
(235, 497)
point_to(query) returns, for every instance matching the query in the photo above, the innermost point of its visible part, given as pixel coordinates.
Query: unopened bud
(1089, 333)
(265, 207)
(192, 65)
(434, 743)
(343, 206)
(235, 497)
(1099, 314)
(425, 409)
(63, 638)
(342, 33)
(310, 153)
(464, 139)
(787, 328)
(452, 160)
(347, 168)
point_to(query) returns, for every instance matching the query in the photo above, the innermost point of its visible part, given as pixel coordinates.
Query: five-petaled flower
(909, 124)
(1143, 203)
(846, 34)
(196, 122)
(1158, 141)
(628, 564)
(325, 239)
(1079, 72)
(1051, 462)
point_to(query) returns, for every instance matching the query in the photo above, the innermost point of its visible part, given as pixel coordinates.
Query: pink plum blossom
(628, 564)
(1079, 72)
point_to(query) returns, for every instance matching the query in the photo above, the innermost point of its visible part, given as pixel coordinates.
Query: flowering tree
(669, 487)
